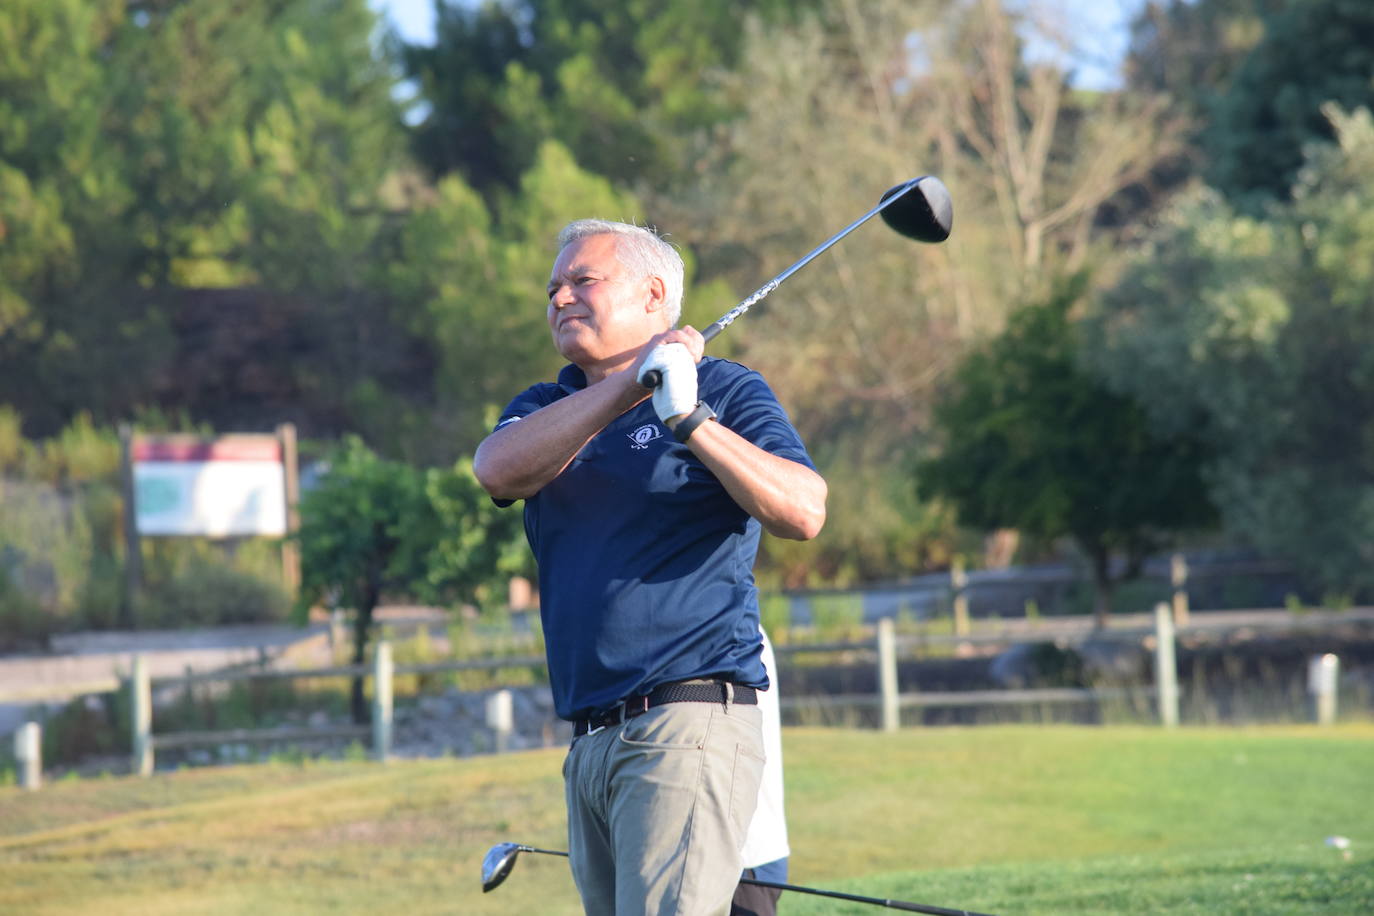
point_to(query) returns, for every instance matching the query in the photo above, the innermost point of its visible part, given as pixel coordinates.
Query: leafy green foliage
(621, 85)
(1257, 334)
(376, 528)
(1033, 441)
(62, 552)
(1312, 53)
(476, 546)
(153, 154)
(209, 594)
(1191, 49)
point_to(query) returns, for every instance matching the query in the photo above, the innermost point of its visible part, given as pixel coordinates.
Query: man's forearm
(786, 497)
(521, 458)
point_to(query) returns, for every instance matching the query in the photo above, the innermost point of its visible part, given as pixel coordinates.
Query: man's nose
(561, 296)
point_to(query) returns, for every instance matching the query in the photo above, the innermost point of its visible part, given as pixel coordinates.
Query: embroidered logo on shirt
(641, 437)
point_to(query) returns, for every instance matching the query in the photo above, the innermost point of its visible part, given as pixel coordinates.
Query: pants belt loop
(729, 694)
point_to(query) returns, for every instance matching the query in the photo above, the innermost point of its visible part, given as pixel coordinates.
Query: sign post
(133, 547)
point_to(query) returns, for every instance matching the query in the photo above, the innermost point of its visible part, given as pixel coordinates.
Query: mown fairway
(1000, 819)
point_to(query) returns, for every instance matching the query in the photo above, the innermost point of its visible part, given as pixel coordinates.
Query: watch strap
(688, 424)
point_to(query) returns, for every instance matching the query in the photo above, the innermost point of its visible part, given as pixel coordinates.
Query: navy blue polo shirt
(645, 561)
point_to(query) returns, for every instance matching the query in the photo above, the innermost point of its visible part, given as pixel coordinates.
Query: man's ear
(658, 294)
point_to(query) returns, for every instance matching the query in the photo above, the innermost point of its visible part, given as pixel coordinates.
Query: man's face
(598, 313)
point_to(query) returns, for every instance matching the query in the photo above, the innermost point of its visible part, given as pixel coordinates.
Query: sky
(1099, 27)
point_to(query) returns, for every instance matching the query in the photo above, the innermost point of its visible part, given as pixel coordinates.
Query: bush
(210, 594)
(22, 622)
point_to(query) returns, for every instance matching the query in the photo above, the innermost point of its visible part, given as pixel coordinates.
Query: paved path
(82, 663)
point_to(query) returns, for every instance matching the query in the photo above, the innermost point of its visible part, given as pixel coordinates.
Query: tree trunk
(362, 627)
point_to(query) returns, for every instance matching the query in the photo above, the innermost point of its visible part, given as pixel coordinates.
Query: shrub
(211, 594)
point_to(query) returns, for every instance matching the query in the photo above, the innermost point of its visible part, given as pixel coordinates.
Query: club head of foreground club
(923, 212)
(497, 863)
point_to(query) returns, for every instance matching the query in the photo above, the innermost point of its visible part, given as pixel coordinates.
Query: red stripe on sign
(233, 448)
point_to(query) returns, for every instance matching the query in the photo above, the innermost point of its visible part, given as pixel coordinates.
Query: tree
(1187, 51)
(1313, 52)
(838, 108)
(1191, 49)
(1033, 441)
(154, 155)
(376, 528)
(620, 85)
(1259, 336)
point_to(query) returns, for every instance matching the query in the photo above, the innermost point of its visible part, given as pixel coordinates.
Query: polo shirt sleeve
(749, 407)
(524, 404)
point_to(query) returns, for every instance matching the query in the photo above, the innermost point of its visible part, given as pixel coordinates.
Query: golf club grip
(653, 378)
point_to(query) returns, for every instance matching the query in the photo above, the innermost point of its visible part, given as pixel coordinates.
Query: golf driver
(500, 859)
(919, 209)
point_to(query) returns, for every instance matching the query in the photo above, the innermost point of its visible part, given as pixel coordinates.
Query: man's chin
(571, 348)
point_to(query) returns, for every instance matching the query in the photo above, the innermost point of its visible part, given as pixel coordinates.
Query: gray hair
(640, 250)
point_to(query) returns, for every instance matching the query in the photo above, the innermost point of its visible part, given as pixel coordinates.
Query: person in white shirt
(765, 846)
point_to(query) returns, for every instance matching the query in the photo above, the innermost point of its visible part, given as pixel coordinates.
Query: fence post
(1166, 668)
(1178, 578)
(141, 717)
(501, 718)
(887, 674)
(958, 580)
(1323, 676)
(28, 754)
(382, 670)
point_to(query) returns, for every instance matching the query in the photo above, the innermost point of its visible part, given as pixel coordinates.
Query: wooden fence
(884, 647)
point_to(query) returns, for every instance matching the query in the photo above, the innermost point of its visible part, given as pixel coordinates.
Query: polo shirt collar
(571, 378)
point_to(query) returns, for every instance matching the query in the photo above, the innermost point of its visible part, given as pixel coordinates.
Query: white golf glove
(676, 394)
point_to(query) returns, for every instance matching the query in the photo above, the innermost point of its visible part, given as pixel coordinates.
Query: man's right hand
(676, 394)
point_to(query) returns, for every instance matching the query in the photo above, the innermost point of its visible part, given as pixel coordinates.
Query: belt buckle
(613, 716)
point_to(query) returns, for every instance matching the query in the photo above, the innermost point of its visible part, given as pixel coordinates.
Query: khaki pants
(658, 808)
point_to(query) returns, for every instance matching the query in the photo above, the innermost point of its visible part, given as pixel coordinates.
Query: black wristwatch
(688, 424)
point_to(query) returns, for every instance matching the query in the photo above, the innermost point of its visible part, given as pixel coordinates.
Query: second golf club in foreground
(919, 209)
(500, 859)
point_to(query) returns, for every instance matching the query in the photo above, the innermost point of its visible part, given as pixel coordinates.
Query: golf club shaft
(653, 377)
(858, 898)
(855, 898)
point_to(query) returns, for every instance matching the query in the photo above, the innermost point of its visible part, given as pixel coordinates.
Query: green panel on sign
(156, 495)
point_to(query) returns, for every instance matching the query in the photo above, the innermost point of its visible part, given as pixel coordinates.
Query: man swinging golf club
(644, 507)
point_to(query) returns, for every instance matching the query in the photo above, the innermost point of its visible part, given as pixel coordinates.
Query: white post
(28, 754)
(501, 718)
(887, 674)
(1178, 578)
(141, 717)
(958, 582)
(1166, 668)
(382, 670)
(1323, 676)
(337, 634)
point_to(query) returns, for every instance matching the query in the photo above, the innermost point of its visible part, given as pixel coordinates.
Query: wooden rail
(883, 647)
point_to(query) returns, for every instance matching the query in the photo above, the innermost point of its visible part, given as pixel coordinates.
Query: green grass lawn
(1000, 819)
